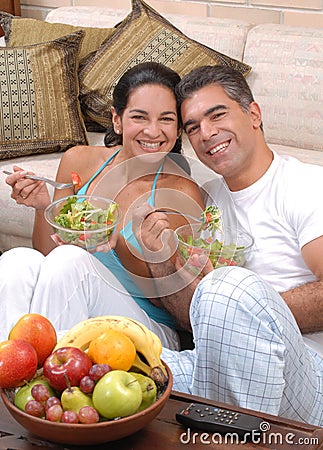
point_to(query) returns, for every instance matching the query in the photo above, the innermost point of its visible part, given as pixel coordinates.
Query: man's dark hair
(232, 82)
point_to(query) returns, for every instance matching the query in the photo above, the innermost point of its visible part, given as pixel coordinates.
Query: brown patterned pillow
(21, 31)
(144, 35)
(40, 112)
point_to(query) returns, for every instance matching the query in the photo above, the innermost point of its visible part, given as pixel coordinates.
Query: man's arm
(174, 285)
(306, 301)
(178, 299)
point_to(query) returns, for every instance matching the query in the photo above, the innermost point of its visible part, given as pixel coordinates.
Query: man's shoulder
(293, 164)
(298, 173)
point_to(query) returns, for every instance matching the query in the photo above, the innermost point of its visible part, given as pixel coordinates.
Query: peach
(38, 331)
(18, 363)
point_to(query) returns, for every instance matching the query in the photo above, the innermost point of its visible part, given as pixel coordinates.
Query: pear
(73, 399)
(23, 395)
(148, 388)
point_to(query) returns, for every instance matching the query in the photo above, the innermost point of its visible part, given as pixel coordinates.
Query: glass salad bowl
(83, 220)
(224, 248)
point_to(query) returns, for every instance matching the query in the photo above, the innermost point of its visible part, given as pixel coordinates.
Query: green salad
(84, 217)
(220, 254)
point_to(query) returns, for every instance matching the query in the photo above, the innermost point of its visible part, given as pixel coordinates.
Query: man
(248, 347)
(278, 200)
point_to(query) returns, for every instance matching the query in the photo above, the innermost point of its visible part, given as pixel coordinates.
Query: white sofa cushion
(286, 80)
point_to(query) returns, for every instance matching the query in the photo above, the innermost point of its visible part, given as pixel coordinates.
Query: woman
(134, 167)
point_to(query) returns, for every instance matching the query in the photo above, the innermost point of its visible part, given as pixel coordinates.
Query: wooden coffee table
(164, 433)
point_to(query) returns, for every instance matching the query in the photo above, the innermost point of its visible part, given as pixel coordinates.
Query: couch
(286, 79)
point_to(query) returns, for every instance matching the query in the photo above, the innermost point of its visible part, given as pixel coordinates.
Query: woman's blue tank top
(113, 263)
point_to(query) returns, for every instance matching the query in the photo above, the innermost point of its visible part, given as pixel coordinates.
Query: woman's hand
(26, 191)
(104, 248)
(153, 233)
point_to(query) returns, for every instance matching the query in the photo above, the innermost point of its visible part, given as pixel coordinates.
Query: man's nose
(208, 129)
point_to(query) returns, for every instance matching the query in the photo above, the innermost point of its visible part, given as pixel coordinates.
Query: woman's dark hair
(140, 75)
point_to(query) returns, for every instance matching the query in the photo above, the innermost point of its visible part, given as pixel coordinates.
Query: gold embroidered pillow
(40, 112)
(144, 35)
(21, 31)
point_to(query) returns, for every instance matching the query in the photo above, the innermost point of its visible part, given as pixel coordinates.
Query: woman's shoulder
(82, 159)
(80, 150)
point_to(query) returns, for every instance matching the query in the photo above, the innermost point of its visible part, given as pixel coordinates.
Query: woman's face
(149, 123)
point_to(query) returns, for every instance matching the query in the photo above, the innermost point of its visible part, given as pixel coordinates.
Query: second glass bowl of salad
(224, 248)
(83, 220)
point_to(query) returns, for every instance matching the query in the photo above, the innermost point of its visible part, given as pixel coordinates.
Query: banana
(146, 342)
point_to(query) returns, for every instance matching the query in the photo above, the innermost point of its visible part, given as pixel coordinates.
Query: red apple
(38, 331)
(18, 363)
(66, 365)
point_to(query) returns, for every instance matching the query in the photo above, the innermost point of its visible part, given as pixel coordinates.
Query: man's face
(221, 133)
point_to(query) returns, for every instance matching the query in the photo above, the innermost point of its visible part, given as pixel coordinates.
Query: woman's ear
(116, 121)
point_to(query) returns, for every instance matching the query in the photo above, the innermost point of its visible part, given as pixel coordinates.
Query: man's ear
(255, 114)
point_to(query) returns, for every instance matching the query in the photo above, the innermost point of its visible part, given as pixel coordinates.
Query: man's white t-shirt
(283, 211)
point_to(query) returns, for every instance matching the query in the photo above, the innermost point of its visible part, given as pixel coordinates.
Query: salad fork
(56, 184)
(167, 211)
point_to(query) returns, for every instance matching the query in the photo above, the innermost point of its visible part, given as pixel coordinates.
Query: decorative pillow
(40, 112)
(20, 31)
(144, 35)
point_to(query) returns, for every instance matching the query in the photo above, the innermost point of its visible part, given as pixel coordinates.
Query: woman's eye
(138, 117)
(168, 119)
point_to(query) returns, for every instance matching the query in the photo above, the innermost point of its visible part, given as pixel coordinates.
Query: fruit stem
(69, 387)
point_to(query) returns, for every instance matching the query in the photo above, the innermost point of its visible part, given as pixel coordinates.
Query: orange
(113, 348)
(38, 331)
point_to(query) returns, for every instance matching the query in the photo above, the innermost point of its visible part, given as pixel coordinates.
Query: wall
(290, 12)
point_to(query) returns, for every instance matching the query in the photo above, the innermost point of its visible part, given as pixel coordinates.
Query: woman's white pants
(67, 286)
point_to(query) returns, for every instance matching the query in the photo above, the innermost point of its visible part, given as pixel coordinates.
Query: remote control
(218, 420)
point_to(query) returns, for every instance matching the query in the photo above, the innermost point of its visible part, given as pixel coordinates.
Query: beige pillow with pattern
(144, 35)
(40, 112)
(22, 31)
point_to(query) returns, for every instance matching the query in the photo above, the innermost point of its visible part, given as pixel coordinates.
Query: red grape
(52, 401)
(88, 414)
(54, 413)
(98, 370)
(40, 392)
(87, 384)
(69, 417)
(35, 408)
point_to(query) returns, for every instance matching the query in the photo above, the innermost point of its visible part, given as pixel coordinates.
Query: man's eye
(191, 130)
(217, 116)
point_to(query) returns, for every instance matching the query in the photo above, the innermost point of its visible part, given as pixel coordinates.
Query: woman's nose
(152, 129)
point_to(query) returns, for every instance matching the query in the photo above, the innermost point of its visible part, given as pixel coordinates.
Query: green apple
(73, 399)
(117, 394)
(148, 389)
(24, 393)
